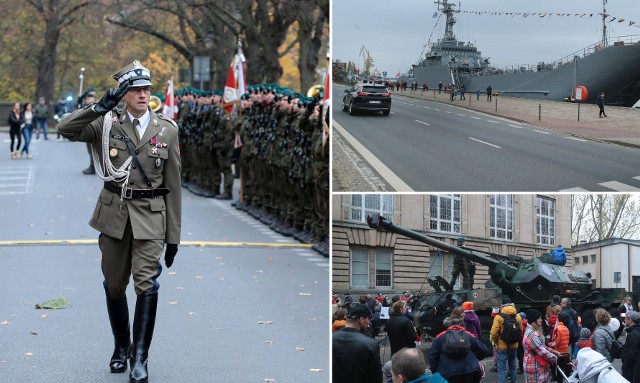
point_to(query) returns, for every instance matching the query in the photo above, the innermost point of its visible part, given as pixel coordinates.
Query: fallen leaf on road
(172, 273)
(269, 341)
(33, 333)
(299, 349)
(191, 313)
(56, 303)
(218, 258)
(43, 316)
(30, 225)
(173, 302)
(259, 271)
(48, 233)
(268, 380)
(28, 354)
(315, 369)
(198, 276)
(269, 259)
(5, 322)
(265, 322)
(179, 288)
(304, 293)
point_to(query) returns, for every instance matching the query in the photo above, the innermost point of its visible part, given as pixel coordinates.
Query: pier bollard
(539, 112)
(496, 104)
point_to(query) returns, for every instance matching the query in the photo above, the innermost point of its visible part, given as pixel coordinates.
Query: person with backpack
(455, 353)
(400, 329)
(538, 358)
(603, 335)
(506, 332)
(631, 347)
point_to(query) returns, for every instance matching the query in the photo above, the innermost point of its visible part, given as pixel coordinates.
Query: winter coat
(630, 351)
(472, 322)
(448, 366)
(356, 357)
(560, 338)
(498, 324)
(41, 111)
(600, 101)
(401, 332)
(15, 121)
(533, 344)
(602, 339)
(338, 324)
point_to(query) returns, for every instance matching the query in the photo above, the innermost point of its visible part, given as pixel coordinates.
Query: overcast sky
(395, 32)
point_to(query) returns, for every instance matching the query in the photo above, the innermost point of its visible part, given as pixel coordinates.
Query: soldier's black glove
(170, 253)
(111, 99)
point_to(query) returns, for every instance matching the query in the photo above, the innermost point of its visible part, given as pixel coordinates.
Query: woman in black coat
(400, 329)
(15, 121)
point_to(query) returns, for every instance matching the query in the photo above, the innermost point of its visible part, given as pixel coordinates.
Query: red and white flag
(235, 85)
(170, 109)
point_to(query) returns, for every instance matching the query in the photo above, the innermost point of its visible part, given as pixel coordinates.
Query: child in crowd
(584, 341)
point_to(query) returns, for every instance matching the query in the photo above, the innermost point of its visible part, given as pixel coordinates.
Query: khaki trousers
(130, 256)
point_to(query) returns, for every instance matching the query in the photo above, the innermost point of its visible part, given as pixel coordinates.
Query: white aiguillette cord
(105, 169)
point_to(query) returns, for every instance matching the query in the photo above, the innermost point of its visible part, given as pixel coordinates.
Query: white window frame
(445, 215)
(501, 203)
(379, 253)
(366, 204)
(356, 257)
(369, 256)
(548, 238)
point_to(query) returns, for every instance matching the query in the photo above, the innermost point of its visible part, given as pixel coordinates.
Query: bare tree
(56, 14)
(602, 216)
(312, 21)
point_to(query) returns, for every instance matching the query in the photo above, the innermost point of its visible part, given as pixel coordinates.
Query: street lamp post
(81, 82)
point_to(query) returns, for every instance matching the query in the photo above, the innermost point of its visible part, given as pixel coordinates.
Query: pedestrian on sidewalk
(600, 102)
(139, 208)
(440, 87)
(15, 121)
(27, 130)
(42, 115)
(462, 91)
(477, 94)
(489, 93)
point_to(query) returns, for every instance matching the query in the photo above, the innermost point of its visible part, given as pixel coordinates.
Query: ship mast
(447, 9)
(604, 24)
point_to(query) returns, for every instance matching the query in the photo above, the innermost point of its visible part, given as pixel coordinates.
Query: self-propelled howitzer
(530, 283)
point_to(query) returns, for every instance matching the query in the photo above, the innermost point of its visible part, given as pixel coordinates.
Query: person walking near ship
(600, 102)
(462, 91)
(489, 92)
(440, 87)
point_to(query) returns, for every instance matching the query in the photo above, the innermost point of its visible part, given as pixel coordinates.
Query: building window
(593, 258)
(445, 213)
(441, 265)
(576, 260)
(585, 259)
(361, 260)
(367, 204)
(545, 221)
(501, 216)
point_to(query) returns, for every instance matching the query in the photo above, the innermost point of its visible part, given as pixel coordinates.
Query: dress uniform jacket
(159, 154)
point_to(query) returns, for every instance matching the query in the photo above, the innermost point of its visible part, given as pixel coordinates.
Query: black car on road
(373, 97)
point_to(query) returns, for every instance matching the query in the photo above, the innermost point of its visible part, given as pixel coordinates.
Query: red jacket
(560, 338)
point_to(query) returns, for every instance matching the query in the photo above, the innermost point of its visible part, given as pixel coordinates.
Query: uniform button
(137, 152)
(130, 182)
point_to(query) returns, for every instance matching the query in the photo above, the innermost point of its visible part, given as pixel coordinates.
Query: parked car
(367, 97)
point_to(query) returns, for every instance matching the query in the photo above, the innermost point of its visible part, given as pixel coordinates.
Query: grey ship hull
(614, 70)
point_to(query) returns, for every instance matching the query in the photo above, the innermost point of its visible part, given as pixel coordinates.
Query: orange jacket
(560, 338)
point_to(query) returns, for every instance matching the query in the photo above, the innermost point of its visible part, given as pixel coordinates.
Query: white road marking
(392, 112)
(437, 110)
(476, 118)
(573, 190)
(576, 139)
(446, 111)
(494, 122)
(541, 131)
(636, 177)
(618, 186)
(390, 177)
(422, 122)
(486, 143)
(515, 126)
(460, 114)
(426, 107)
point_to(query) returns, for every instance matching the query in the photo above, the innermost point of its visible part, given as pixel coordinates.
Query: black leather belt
(135, 193)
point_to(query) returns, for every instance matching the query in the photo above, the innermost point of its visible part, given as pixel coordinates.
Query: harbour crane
(367, 61)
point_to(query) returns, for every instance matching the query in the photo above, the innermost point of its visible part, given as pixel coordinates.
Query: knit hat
(633, 315)
(467, 306)
(359, 311)
(533, 315)
(585, 333)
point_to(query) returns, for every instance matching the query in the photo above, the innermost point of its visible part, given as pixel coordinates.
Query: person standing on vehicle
(139, 209)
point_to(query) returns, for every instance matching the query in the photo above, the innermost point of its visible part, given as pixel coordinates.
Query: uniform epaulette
(166, 118)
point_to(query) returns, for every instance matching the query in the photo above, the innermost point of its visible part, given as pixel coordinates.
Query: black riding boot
(119, 319)
(143, 324)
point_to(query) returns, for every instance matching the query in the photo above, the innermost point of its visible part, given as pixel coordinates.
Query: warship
(610, 68)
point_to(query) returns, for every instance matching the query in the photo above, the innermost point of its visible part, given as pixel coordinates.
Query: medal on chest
(113, 152)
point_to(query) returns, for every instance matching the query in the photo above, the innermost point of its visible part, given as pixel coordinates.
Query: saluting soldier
(138, 210)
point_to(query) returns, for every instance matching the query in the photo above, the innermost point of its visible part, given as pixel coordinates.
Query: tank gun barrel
(378, 222)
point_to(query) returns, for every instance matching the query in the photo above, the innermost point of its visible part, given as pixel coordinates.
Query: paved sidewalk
(622, 126)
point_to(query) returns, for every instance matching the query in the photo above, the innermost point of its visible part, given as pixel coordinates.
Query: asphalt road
(241, 303)
(429, 146)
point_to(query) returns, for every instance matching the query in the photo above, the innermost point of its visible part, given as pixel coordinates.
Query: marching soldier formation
(275, 139)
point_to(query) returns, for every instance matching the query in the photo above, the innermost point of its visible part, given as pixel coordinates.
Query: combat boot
(143, 324)
(225, 195)
(119, 318)
(89, 170)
